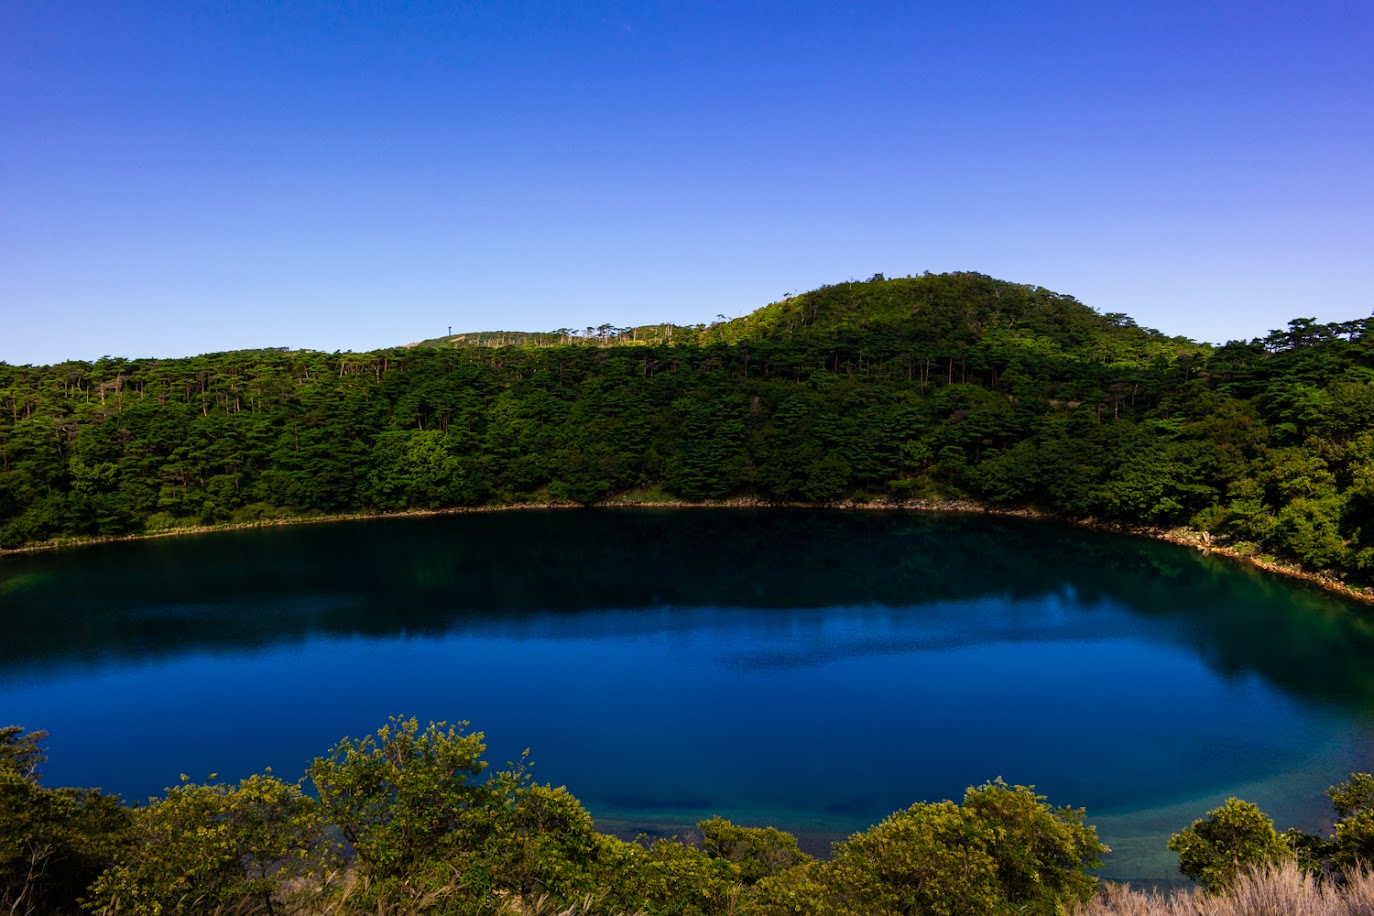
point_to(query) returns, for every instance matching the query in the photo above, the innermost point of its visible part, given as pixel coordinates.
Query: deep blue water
(811, 670)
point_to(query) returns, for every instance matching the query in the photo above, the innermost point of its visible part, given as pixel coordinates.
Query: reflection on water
(815, 670)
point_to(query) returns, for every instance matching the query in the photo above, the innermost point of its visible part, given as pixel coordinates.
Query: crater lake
(810, 670)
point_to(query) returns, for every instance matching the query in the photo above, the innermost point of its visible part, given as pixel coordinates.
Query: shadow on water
(539, 572)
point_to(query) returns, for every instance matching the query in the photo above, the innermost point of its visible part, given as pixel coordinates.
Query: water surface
(811, 670)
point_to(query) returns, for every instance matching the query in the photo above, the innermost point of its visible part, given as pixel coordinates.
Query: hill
(938, 387)
(930, 309)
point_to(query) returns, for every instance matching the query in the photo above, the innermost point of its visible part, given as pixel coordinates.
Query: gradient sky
(178, 178)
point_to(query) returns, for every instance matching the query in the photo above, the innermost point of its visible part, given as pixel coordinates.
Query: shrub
(53, 842)
(1042, 854)
(1215, 848)
(757, 852)
(1004, 850)
(407, 796)
(200, 847)
(1354, 803)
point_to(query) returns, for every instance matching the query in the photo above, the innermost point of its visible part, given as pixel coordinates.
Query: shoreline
(1181, 537)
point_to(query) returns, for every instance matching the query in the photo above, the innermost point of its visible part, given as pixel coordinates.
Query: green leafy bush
(1003, 851)
(405, 796)
(1216, 848)
(245, 847)
(757, 852)
(53, 842)
(1354, 803)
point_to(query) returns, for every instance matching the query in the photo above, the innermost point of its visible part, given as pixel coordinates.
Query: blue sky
(177, 178)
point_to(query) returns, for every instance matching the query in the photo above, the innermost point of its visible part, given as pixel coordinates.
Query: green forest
(948, 387)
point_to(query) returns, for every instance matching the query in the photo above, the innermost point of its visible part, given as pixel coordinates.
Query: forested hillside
(940, 386)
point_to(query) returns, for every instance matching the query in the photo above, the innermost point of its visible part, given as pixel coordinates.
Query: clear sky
(184, 177)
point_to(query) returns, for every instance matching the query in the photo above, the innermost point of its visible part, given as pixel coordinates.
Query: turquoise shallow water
(812, 670)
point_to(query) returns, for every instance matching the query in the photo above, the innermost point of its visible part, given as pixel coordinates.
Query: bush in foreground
(1003, 850)
(247, 847)
(1215, 849)
(429, 830)
(53, 842)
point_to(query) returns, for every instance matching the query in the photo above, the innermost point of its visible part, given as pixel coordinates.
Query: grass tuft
(1283, 890)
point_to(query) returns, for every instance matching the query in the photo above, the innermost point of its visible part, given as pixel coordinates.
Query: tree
(1003, 850)
(1215, 848)
(406, 796)
(21, 753)
(53, 842)
(1042, 854)
(930, 858)
(758, 852)
(546, 845)
(216, 845)
(1354, 803)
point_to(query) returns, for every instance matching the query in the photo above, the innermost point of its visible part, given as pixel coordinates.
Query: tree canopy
(953, 386)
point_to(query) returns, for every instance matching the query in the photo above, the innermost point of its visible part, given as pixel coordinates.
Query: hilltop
(927, 309)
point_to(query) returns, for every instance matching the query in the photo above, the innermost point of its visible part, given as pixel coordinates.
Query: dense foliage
(421, 832)
(940, 386)
(53, 842)
(409, 821)
(1236, 838)
(1216, 849)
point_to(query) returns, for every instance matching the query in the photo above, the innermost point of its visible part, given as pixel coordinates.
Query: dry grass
(544, 906)
(1281, 891)
(351, 894)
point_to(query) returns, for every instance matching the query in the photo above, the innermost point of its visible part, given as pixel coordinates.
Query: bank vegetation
(917, 390)
(410, 820)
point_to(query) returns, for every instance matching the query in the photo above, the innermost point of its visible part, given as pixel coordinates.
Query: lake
(812, 670)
